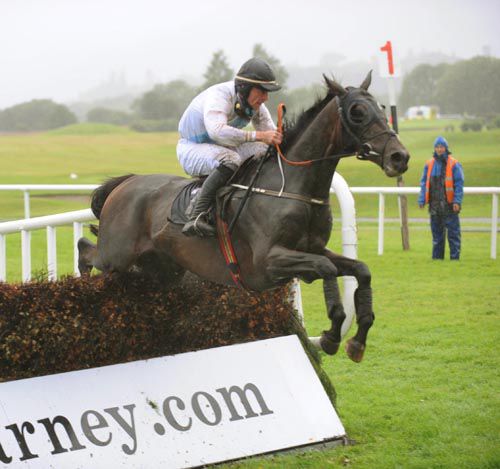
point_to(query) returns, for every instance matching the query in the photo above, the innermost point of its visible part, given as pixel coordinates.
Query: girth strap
(284, 195)
(226, 247)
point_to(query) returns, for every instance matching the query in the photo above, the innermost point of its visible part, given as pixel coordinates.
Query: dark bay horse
(276, 238)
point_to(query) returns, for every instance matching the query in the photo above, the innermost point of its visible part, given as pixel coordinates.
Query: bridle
(345, 106)
(355, 130)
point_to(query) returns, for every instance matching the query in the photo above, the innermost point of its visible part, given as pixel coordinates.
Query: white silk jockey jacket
(210, 118)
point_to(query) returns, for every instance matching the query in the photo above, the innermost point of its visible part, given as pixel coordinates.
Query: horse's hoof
(328, 345)
(355, 350)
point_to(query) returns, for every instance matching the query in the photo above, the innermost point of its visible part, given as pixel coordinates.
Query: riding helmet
(257, 72)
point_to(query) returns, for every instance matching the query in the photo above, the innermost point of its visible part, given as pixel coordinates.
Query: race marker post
(390, 71)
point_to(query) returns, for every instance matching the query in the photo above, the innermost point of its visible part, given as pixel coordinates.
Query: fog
(58, 49)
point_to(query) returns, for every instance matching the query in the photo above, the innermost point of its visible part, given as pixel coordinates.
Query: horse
(283, 230)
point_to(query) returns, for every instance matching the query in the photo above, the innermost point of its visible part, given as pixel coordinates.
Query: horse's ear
(336, 88)
(367, 81)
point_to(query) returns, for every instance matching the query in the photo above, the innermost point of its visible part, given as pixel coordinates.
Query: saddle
(185, 201)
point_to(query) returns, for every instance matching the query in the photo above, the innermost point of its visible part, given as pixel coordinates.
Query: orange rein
(281, 112)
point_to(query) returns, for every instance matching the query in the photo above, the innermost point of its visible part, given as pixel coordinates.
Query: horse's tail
(100, 195)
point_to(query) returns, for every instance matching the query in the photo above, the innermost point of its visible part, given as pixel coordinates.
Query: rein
(366, 148)
(281, 112)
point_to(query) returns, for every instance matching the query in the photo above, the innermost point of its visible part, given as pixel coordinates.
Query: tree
(108, 116)
(470, 86)
(420, 85)
(218, 70)
(165, 101)
(39, 114)
(300, 99)
(279, 70)
(281, 76)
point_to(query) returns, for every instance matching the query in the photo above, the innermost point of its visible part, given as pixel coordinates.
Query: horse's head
(365, 126)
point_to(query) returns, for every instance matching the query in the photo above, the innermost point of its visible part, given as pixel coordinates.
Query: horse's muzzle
(397, 164)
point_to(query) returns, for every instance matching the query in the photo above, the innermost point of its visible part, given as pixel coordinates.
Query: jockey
(212, 141)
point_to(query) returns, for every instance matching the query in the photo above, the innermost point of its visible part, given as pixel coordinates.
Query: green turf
(426, 394)
(90, 128)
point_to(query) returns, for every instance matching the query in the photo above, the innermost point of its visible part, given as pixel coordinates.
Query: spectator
(442, 188)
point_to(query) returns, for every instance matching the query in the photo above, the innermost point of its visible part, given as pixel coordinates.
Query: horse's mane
(292, 128)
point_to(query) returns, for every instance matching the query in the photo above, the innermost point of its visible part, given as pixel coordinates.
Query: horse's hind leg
(355, 346)
(330, 340)
(86, 256)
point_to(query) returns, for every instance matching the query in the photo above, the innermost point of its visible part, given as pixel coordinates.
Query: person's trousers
(439, 226)
(200, 159)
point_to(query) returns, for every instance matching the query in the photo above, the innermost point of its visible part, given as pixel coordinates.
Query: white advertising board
(177, 411)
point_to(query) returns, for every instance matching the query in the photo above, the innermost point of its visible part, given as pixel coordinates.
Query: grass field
(427, 393)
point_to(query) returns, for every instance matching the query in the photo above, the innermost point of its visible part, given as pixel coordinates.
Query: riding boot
(198, 224)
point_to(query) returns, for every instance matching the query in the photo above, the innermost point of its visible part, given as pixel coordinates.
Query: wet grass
(426, 395)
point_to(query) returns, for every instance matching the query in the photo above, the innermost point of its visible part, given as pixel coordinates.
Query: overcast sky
(58, 49)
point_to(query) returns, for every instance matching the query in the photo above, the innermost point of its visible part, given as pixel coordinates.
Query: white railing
(50, 222)
(27, 188)
(383, 191)
(77, 218)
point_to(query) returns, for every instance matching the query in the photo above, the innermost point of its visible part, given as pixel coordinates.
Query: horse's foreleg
(86, 256)
(355, 346)
(330, 340)
(284, 264)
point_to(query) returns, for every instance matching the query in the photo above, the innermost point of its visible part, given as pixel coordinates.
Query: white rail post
(349, 249)
(77, 234)
(296, 294)
(381, 210)
(51, 253)
(26, 255)
(26, 203)
(494, 225)
(3, 259)
(349, 245)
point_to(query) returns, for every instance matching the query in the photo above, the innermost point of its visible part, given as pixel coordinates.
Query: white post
(26, 255)
(51, 253)
(3, 259)
(349, 249)
(77, 234)
(297, 299)
(381, 210)
(494, 226)
(349, 245)
(26, 204)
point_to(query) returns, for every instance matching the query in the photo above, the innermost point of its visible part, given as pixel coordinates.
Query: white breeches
(199, 159)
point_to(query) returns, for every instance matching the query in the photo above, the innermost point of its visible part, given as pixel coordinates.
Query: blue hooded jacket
(458, 174)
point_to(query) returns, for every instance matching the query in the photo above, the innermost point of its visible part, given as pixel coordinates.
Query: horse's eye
(357, 114)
